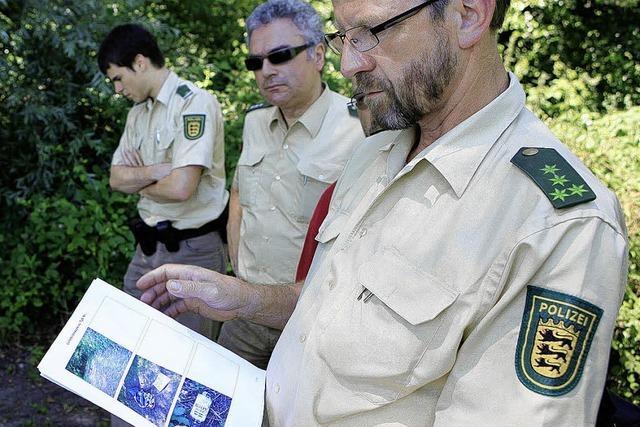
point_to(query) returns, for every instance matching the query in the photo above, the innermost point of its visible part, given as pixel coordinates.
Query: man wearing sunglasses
(470, 268)
(294, 147)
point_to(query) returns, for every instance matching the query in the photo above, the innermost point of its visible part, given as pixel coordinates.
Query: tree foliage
(60, 122)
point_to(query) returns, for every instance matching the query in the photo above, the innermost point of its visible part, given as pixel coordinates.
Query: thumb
(188, 289)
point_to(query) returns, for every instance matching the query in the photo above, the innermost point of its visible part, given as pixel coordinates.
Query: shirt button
(363, 232)
(285, 146)
(332, 284)
(272, 208)
(320, 177)
(277, 177)
(303, 338)
(266, 238)
(276, 388)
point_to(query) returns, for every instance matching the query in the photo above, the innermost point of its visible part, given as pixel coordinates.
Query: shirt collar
(458, 154)
(168, 88)
(312, 118)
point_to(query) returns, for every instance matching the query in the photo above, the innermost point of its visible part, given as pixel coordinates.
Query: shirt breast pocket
(376, 344)
(163, 145)
(249, 175)
(312, 185)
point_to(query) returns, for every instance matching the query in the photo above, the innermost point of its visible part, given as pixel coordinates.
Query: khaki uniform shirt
(184, 127)
(445, 251)
(281, 174)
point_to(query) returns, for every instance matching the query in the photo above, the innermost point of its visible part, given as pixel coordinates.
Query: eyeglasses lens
(254, 63)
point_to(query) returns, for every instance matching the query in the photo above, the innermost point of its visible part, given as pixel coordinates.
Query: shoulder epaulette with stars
(560, 182)
(184, 91)
(255, 107)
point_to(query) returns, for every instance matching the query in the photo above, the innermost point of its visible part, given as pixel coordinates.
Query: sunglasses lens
(253, 63)
(281, 56)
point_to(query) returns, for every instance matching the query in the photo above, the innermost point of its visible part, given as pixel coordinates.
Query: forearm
(178, 186)
(163, 192)
(233, 226)
(131, 179)
(271, 305)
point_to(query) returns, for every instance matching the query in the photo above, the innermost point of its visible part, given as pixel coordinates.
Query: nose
(353, 61)
(268, 69)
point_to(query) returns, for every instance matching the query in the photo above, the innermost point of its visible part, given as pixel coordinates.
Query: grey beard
(417, 92)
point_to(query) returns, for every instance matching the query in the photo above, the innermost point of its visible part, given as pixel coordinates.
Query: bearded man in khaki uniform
(293, 148)
(470, 269)
(171, 153)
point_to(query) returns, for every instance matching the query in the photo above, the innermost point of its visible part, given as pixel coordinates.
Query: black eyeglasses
(363, 38)
(280, 56)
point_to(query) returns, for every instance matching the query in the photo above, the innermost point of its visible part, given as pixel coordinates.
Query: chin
(277, 100)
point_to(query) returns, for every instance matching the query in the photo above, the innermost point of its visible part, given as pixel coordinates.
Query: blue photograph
(149, 390)
(99, 361)
(200, 406)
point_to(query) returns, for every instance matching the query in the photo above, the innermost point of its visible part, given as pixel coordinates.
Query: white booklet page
(148, 369)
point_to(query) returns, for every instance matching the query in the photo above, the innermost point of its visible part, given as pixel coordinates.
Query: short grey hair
(303, 16)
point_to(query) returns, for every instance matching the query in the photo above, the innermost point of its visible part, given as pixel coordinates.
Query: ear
(140, 63)
(475, 21)
(318, 56)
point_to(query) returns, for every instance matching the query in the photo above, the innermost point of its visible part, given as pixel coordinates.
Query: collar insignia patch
(555, 337)
(559, 181)
(259, 106)
(184, 91)
(193, 125)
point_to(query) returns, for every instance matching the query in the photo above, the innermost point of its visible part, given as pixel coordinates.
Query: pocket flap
(250, 157)
(331, 227)
(415, 295)
(165, 137)
(324, 173)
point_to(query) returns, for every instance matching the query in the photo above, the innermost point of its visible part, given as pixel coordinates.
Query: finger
(159, 276)
(127, 158)
(177, 308)
(137, 158)
(192, 289)
(162, 300)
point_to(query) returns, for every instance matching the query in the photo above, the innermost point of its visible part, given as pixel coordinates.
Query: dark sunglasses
(280, 56)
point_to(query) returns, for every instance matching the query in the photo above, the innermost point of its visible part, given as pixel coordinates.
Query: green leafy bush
(64, 244)
(609, 145)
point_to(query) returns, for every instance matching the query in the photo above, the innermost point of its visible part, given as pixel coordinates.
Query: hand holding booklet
(148, 369)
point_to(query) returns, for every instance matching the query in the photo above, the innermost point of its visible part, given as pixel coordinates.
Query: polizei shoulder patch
(555, 336)
(562, 185)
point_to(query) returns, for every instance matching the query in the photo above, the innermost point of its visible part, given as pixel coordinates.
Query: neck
(293, 112)
(157, 77)
(483, 79)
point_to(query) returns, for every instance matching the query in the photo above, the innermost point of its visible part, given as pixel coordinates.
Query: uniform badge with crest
(193, 125)
(555, 337)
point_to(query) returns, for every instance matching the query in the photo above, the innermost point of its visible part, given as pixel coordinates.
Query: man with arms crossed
(470, 268)
(172, 154)
(293, 149)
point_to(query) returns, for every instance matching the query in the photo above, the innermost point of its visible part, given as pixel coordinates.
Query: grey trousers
(250, 341)
(205, 251)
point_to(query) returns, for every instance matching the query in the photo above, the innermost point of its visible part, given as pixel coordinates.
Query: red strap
(310, 243)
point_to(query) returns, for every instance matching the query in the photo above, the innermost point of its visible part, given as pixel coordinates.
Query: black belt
(164, 232)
